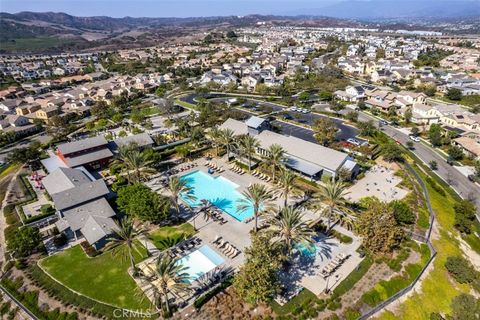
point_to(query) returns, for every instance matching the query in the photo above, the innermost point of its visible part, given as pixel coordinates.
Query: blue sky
(161, 8)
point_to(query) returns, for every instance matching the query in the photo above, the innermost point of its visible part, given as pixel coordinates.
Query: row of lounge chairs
(334, 264)
(226, 248)
(261, 176)
(213, 166)
(237, 169)
(184, 247)
(216, 215)
(188, 166)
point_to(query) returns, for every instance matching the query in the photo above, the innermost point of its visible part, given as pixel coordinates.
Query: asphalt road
(460, 183)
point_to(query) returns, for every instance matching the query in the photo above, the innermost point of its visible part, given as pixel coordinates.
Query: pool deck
(305, 272)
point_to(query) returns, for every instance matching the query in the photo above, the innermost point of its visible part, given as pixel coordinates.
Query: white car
(293, 109)
(415, 138)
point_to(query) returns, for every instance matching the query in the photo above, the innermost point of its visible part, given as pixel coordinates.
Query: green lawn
(166, 237)
(437, 289)
(103, 277)
(304, 298)
(185, 104)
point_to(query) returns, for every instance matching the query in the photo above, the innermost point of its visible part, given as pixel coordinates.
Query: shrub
(209, 295)
(402, 212)
(372, 298)
(351, 314)
(435, 186)
(464, 216)
(460, 269)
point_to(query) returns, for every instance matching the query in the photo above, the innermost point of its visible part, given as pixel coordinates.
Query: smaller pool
(200, 262)
(307, 250)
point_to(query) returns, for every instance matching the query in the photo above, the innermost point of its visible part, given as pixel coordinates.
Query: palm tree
(176, 187)
(248, 145)
(332, 194)
(216, 137)
(286, 185)
(257, 196)
(275, 157)
(135, 163)
(288, 226)
(167, 277)
(227, 140)
(125, 236)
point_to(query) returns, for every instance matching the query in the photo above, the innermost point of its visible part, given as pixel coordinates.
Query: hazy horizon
(177, 8)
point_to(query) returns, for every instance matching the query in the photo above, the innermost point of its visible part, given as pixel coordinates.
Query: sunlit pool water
(218, 190)
(200, 262)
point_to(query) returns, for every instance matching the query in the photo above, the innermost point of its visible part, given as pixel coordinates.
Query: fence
(433, 253)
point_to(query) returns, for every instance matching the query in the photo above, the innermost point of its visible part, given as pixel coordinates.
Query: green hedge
(209, 295)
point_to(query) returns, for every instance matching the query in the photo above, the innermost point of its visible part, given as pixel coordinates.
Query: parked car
(354, 141)
(414, 138)
(287, 116)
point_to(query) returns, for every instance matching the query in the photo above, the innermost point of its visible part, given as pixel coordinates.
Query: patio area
(305, 271)
(379, 182)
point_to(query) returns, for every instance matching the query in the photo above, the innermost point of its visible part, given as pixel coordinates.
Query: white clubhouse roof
(304, 153)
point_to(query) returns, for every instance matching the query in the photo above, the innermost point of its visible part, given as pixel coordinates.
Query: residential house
(81, 204)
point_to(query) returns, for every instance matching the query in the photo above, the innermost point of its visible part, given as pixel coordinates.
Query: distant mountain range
(375, 9)
(64, 31)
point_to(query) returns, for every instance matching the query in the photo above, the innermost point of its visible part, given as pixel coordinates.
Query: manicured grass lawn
(103, 277)
(185, 104)
(437, 289)
(166, 237)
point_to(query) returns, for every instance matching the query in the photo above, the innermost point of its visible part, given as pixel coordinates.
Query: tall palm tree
(125, 236)
(167, 277)
(227, 140)
(258, 197)
(248, 145)
(275, 157)
(135, 163)
(176, 187)
(288, 226)
(286, 185)
(215, 135)
(332, 195)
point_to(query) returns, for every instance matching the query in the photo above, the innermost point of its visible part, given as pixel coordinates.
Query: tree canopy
(139, 201)
(380, 231)
(257, 279)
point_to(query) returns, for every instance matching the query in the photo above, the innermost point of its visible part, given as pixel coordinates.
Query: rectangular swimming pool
(219, 191)
(201, 261)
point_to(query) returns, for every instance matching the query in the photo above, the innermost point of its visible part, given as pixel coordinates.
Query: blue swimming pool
(307, 250)
(200, 262)
(218, 190)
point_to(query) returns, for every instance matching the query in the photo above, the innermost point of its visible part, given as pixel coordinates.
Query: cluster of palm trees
(132, 162)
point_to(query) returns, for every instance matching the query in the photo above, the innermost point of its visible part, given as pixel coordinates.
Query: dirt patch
(228, 306)
(470, 254)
